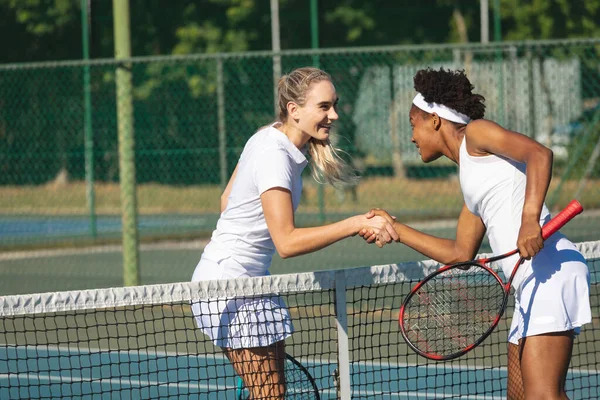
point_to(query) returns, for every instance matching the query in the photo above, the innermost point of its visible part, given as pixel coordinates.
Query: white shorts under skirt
(239, 322)
(553, 295)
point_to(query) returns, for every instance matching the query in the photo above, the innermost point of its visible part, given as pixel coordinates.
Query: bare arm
(486, 137)
(291, 241)
(469, 234)
(227, 191)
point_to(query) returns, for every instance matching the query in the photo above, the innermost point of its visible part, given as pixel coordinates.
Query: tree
(379, 22)
(40, 29)
(550, 19)
(168, 94)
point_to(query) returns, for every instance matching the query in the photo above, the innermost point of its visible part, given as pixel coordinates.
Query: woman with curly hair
(504, 177)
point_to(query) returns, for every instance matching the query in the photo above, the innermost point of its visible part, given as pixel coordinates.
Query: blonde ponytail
(326, 163)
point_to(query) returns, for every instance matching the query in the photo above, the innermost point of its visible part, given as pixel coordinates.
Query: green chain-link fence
(193, 114)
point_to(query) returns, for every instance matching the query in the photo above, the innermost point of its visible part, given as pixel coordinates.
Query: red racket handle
(562, 218)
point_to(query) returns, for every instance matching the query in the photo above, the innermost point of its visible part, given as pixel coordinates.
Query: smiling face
(316, 116)
(424, 135)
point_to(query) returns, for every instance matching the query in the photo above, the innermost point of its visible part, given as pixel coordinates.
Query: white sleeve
(273, 168)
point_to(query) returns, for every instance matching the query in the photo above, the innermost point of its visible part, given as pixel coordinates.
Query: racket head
(452, 310)
(300, 384)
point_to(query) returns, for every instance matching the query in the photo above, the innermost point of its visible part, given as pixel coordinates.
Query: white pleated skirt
(256, 321)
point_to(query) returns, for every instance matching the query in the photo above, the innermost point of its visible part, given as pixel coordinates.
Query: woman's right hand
(377, 226)
(369, 235)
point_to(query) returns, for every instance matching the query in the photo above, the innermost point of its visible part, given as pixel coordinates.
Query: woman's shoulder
(270, 138)
(262, 142)
(478, 134)
(262, 135)
(480, 124)
(482, 130)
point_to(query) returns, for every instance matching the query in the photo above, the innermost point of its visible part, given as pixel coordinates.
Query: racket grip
(570, 211)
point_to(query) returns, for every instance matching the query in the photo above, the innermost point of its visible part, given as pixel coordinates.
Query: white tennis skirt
(256, 321)
(553, 294)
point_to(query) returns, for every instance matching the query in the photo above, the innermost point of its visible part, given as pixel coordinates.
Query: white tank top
(494, 189)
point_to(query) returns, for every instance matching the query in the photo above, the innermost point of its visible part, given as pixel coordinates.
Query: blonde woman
(257, 218)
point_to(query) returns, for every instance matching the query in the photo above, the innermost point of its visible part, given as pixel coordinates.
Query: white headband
(441, 110)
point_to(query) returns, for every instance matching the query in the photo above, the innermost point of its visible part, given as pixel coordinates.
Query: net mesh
(142, 342)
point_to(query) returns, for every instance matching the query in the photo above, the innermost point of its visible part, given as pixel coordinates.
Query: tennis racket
(455, 308)
(299, 384)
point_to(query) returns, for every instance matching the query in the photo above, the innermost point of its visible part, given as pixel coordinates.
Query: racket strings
(453, 310)
(298, 385)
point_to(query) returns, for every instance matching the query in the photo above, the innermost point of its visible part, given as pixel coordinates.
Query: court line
(407, 365)
(111, 381)
(420, 394)
(95, 350)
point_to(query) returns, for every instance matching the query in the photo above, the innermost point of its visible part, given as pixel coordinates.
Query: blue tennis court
(142, 342)
(46, 372)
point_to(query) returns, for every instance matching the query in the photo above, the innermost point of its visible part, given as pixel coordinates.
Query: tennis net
(142, 342)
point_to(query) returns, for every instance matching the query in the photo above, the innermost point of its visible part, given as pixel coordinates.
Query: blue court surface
(32, 228)
(50, 372)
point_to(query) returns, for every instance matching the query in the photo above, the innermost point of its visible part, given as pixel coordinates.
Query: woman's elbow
(540, 156)
(545, 153)
(285, 251)
(461, 256)
(548, 153)
(547, 157)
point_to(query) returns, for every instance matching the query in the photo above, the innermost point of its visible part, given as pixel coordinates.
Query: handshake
(378, 226)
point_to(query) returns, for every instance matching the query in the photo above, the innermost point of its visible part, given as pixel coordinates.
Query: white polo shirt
(268, 160)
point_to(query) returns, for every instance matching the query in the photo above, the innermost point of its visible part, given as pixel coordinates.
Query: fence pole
(499, 61)
(484, 18)
(221, 123)
(131, 273)
(531, 94)
(276, 47)
(314, 41)
(87, 118)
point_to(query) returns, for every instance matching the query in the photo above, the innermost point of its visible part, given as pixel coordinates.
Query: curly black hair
(450, 88)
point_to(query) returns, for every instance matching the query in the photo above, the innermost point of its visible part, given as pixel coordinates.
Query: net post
(341, 319)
